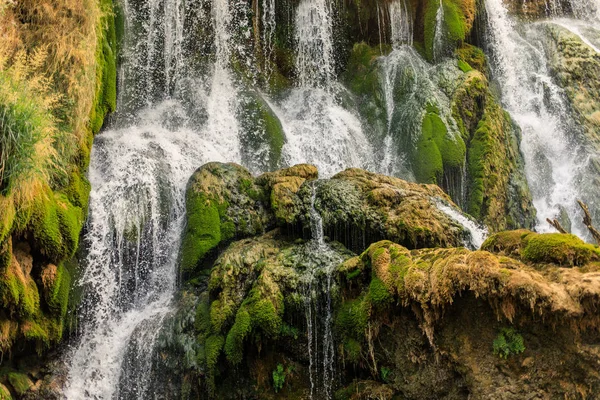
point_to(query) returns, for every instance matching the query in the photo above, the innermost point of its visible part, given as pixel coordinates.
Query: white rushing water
(478, 234)
(139, 171)
(552, 159)
(322, 132)
(138, 176)
(319, 130)
(401, 23)
(438, 38)
(268, 34)
(314, 41)
(317, 283)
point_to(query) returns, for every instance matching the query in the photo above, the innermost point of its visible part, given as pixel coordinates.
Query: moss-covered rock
(283, 186)
(359, 207)
(20, 382)
(497, 190)
(457, 21)
(433, 278)
(222, 203)
(548, 248)
(437, 151)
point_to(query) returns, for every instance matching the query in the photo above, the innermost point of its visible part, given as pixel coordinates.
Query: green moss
(361, 76)
(454, 28)
(265, 312)
(4, 393)
(480, 147)
(105, 99)
(379, 294)
(70, 221)
(261, 126)
(5, 255)
(34, 332)
(274, 132)
(560, 249)
(473, 57)
(58, 300)
(202, 322)
(464, 66)
(353, 317)
(289, 331)
(234, 345)
(436, 150)
(19, 293)
(55, 226)
(352, 350)
(46, 227)
(19, 382)
(220, 313)
(78, 190)
(202, 232)
(278, 378)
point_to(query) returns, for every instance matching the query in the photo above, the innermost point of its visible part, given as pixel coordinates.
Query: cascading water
(553, 158)
(314, 41)
(477, 233)
(318, 129)
(139, 172)
(411, 86)
(401, 23)
(268, 33)
(317, 282)
(438, 38)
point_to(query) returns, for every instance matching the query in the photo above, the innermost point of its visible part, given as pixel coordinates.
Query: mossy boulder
(547, 248)
(434, 278)
(252, 284)
(225, 202)
(283, 186)
(222, 203)
(497, 189)
(436, 151)
(359, 207)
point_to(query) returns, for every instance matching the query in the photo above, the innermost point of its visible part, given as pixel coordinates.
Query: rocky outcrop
(225, 202)
(405, 322)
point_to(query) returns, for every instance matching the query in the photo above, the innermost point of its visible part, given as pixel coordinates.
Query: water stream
(553, 159)
(317, 283)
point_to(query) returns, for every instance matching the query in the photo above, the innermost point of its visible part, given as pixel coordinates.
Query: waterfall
(317, 284)
(319, 129)
(552, 158)
(314, 40)
(438, 38)
(477, 233)
(268, 34)
(586, 9)
(401, 23)
(138, 176)
(139, 170)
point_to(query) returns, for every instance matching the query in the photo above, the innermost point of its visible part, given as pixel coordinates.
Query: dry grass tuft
(48, 73)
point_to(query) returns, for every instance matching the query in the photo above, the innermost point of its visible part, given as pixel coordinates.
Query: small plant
(278, 378)
(508, 342)
(385, 374)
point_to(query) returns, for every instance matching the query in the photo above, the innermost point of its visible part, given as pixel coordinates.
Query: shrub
(508, 342)
(278, 378)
